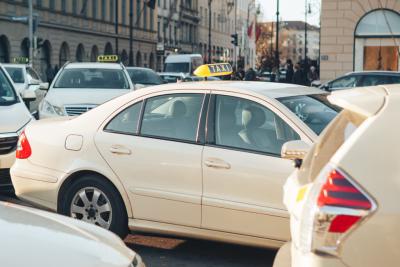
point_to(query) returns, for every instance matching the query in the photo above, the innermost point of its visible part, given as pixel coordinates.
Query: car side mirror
(44, 86)
(28, 95)
(296, 151)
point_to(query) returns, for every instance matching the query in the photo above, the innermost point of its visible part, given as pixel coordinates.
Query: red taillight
(24, 150)
(339, 192)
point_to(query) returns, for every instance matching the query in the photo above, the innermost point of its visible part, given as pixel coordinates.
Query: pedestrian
(312, 75)
(250, 75)
(289, 71)
(298, 77)
(49, 73)
(240, 73)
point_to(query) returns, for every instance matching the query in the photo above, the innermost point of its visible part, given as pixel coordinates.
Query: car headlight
(49, 108)
(137, 262)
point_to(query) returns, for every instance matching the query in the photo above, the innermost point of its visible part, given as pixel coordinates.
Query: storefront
(359, 35)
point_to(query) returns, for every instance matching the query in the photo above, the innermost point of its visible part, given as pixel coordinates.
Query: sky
(290, 10)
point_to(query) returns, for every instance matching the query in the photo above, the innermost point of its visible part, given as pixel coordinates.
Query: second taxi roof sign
(208, 70)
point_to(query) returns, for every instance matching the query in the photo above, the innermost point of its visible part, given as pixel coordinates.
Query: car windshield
(313, 110)
(170, 78)
(143, 76)
(92, 78)
(177, 67)
(7, 93)
(16, 74)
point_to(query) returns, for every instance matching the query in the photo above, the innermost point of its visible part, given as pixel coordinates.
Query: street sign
(20, 18)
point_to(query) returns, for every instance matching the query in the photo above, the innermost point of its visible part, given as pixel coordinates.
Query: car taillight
(24, 150)
(334, 208)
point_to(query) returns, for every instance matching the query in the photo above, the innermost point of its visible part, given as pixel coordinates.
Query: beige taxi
(342, 199)
(193, 159)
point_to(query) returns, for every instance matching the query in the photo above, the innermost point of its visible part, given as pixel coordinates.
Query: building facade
(78, 30)
(291, 41)
(177, 27)
(359, 35)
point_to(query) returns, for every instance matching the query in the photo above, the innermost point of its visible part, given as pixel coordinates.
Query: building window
(112, 10)
(52, 4)
(123, 8)
(103, 9)
(144, 17)
(94, 9)
(158, 31)
(151, 19)
(39, 3)
(74, 7)
(138, 12)
(63, 6)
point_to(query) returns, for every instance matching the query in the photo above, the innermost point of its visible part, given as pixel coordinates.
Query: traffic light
(234, 39)
(151, 3)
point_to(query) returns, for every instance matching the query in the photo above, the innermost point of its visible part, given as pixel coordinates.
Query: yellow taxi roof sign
(209, 70)
(107, 58)
(21, 60)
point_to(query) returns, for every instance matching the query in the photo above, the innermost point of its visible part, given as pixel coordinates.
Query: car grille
(5, 178)
(8, 144)
(77, 110)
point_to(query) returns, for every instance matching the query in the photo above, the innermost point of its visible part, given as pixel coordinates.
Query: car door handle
(217, 163)
(120, 150)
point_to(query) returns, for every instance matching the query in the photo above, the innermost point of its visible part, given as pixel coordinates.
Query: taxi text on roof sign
(107, 58)
(213, 70)
(21, 60)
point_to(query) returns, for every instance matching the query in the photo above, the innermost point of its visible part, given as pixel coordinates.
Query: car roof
(378, 72)
(93, 65)
(22, 66)
(271, 90)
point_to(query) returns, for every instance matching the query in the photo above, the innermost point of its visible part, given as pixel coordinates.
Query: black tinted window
(244, 124)
(172, 116)
(371, 80)
(126, 121)
(143, 76)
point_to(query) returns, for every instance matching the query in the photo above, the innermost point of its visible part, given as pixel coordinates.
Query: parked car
(202, 160)
(361, 79)
(25, 78)
(37, 238)
(14, 116)
(144, 77)
(341, 213)
(81, 86)
(170, 77)
(185, 63)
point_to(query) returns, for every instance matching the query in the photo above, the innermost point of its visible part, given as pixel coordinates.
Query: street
(164, 251)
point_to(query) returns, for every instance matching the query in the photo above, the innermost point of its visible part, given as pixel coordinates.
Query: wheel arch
(69, 180)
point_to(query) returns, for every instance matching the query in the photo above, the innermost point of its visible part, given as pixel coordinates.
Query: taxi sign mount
(209, 70)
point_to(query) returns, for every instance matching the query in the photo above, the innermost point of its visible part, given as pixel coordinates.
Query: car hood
(62, 97)
(14, 117)
(36, 238)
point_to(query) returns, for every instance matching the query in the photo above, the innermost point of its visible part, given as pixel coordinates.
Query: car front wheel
(94, 200)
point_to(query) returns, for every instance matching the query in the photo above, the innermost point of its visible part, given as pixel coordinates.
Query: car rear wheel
(94, 200)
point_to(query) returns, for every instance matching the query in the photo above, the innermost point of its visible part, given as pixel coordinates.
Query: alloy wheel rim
(91, 205)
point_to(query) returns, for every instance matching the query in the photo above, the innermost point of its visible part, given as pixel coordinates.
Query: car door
(243, 173)
(154, 148)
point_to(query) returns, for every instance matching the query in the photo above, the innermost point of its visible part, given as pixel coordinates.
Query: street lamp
(277, 61)
(209, 31)
(307, 11)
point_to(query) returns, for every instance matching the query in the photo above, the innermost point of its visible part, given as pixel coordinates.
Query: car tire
(108, 198)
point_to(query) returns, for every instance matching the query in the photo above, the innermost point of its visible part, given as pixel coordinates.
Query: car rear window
(313, 110)
(92, 79)
(16, 74)
(341, 128)
(143, 76)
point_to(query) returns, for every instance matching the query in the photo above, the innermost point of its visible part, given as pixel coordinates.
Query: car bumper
(288, 255)
(36, 184)
(6, 161)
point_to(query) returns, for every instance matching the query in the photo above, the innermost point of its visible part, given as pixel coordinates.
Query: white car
(195, 159)
(79, 87)
(14, 116)
(26, 78)
(35, 238)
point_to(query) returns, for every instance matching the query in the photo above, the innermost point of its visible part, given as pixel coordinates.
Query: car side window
(371, 80)
(32, 73)
(247, 125)
(126, 121)
(174, 116)
(345, 82)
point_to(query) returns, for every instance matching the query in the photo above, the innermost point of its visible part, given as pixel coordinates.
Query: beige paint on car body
(166, 185)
